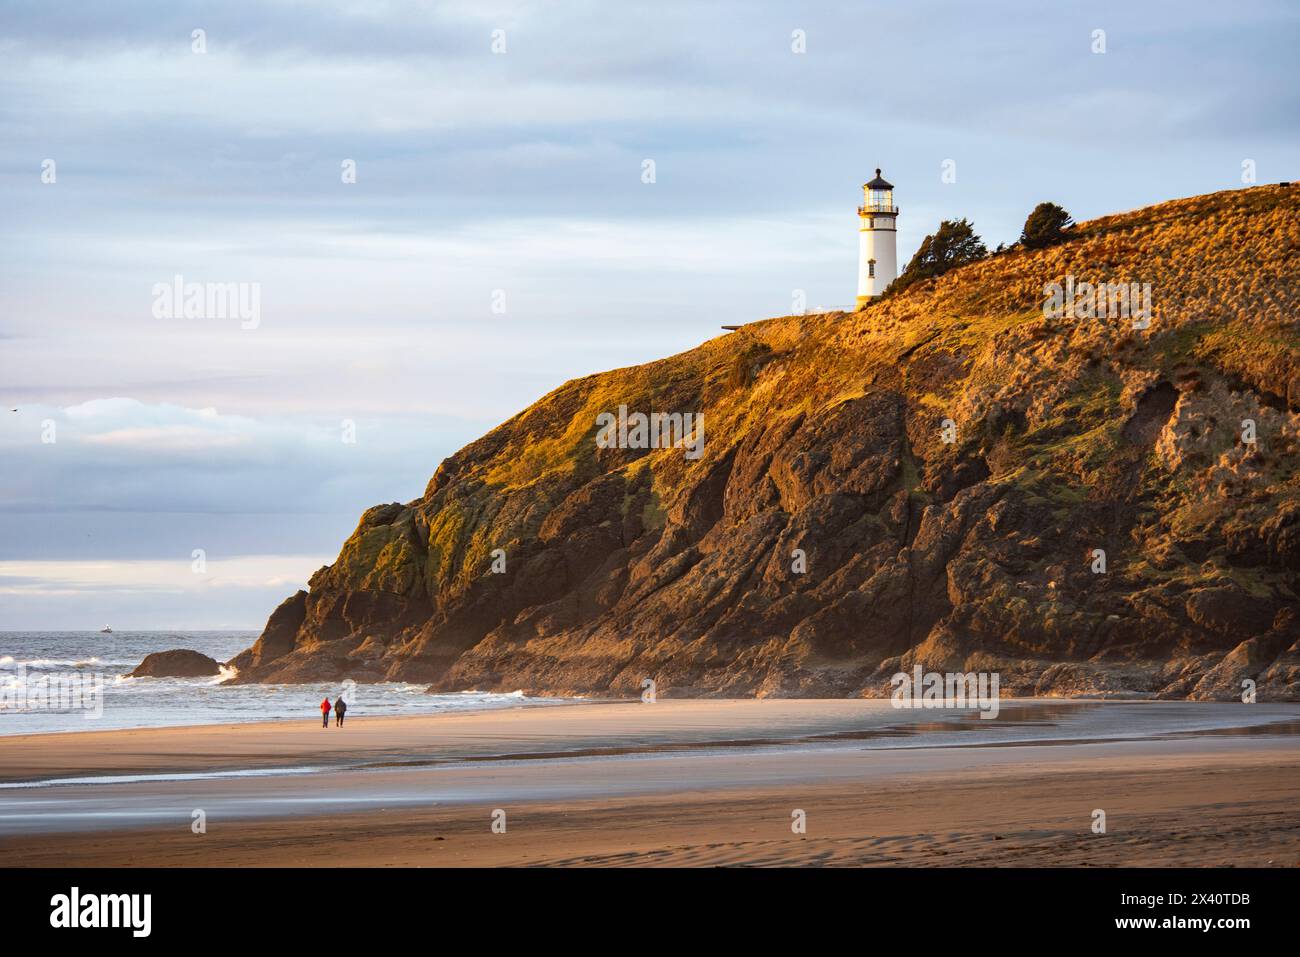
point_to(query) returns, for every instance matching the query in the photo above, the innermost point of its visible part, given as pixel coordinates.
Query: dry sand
(1214, 800)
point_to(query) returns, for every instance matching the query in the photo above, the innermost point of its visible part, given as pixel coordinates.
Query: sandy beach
(678, 783)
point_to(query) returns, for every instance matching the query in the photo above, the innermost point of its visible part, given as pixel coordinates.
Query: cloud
(174, 437)
(65, 578)
(232, 592)
(517, 173)
(123, 423)
(125, 454)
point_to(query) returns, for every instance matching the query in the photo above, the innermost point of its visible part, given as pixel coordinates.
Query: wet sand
(677, 783)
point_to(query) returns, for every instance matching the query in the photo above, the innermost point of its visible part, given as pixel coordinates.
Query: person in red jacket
(325, 712)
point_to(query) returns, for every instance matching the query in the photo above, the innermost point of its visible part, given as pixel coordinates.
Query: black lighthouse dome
(879, 182)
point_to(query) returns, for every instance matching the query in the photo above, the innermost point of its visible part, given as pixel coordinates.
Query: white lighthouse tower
(877, 239)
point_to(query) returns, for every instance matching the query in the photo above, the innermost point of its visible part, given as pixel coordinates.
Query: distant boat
(106, 630)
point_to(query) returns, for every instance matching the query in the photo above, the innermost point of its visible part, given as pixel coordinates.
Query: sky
(179, 470)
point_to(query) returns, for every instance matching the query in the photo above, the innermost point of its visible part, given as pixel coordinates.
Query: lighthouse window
(871, 268)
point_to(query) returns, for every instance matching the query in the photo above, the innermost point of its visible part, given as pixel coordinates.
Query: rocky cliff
(953, 477)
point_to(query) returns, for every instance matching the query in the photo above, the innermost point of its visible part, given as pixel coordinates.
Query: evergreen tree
(1045, 226)
(955, 244)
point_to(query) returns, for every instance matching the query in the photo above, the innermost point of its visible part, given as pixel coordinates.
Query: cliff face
(825, 438)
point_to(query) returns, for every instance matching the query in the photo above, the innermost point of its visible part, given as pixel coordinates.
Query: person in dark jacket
(340, 709)
(325, 713)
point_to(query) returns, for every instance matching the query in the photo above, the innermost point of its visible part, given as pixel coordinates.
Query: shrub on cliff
(1045, 226)
(747, 364)
(954, 244)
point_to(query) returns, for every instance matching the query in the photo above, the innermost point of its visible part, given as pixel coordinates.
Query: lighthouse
(877, 239)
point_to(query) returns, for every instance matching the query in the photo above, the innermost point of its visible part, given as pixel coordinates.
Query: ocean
(77, 681)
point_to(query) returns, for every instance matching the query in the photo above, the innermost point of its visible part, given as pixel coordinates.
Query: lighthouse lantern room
(877, 239)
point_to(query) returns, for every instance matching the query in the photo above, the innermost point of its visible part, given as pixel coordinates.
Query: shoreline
(681, 782)
(556, 700)
(524, 703)
(598, 726)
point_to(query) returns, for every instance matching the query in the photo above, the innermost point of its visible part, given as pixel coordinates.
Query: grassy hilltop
(824, 434)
